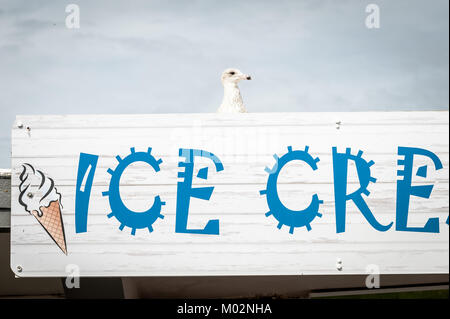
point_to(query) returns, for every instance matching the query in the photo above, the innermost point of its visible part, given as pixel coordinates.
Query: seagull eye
(232, 73)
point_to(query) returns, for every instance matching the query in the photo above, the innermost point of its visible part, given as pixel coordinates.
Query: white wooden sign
(204, 194)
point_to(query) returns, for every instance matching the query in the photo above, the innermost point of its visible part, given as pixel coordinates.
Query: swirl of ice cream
(36, 190)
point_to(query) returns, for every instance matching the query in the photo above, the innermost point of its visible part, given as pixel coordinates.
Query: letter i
(85, 178)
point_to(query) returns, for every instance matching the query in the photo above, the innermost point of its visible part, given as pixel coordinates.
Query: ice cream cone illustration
(51, 220)
(41, 199)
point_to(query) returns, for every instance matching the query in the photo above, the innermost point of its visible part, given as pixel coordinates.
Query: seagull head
(233, 76)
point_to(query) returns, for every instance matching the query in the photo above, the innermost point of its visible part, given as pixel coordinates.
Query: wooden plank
(246, 120)
(5, 220)
(5, 191)
(382, 291)
(249, 243)
(297, 173)
(5, 199)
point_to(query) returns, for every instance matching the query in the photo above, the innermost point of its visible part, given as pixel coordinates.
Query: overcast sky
(167, 56)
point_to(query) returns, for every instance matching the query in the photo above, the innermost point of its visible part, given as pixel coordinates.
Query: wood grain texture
(249, 243)
(5, 200)
(5, 192)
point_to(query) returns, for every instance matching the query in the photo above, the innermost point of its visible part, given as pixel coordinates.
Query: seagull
(232, 99)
